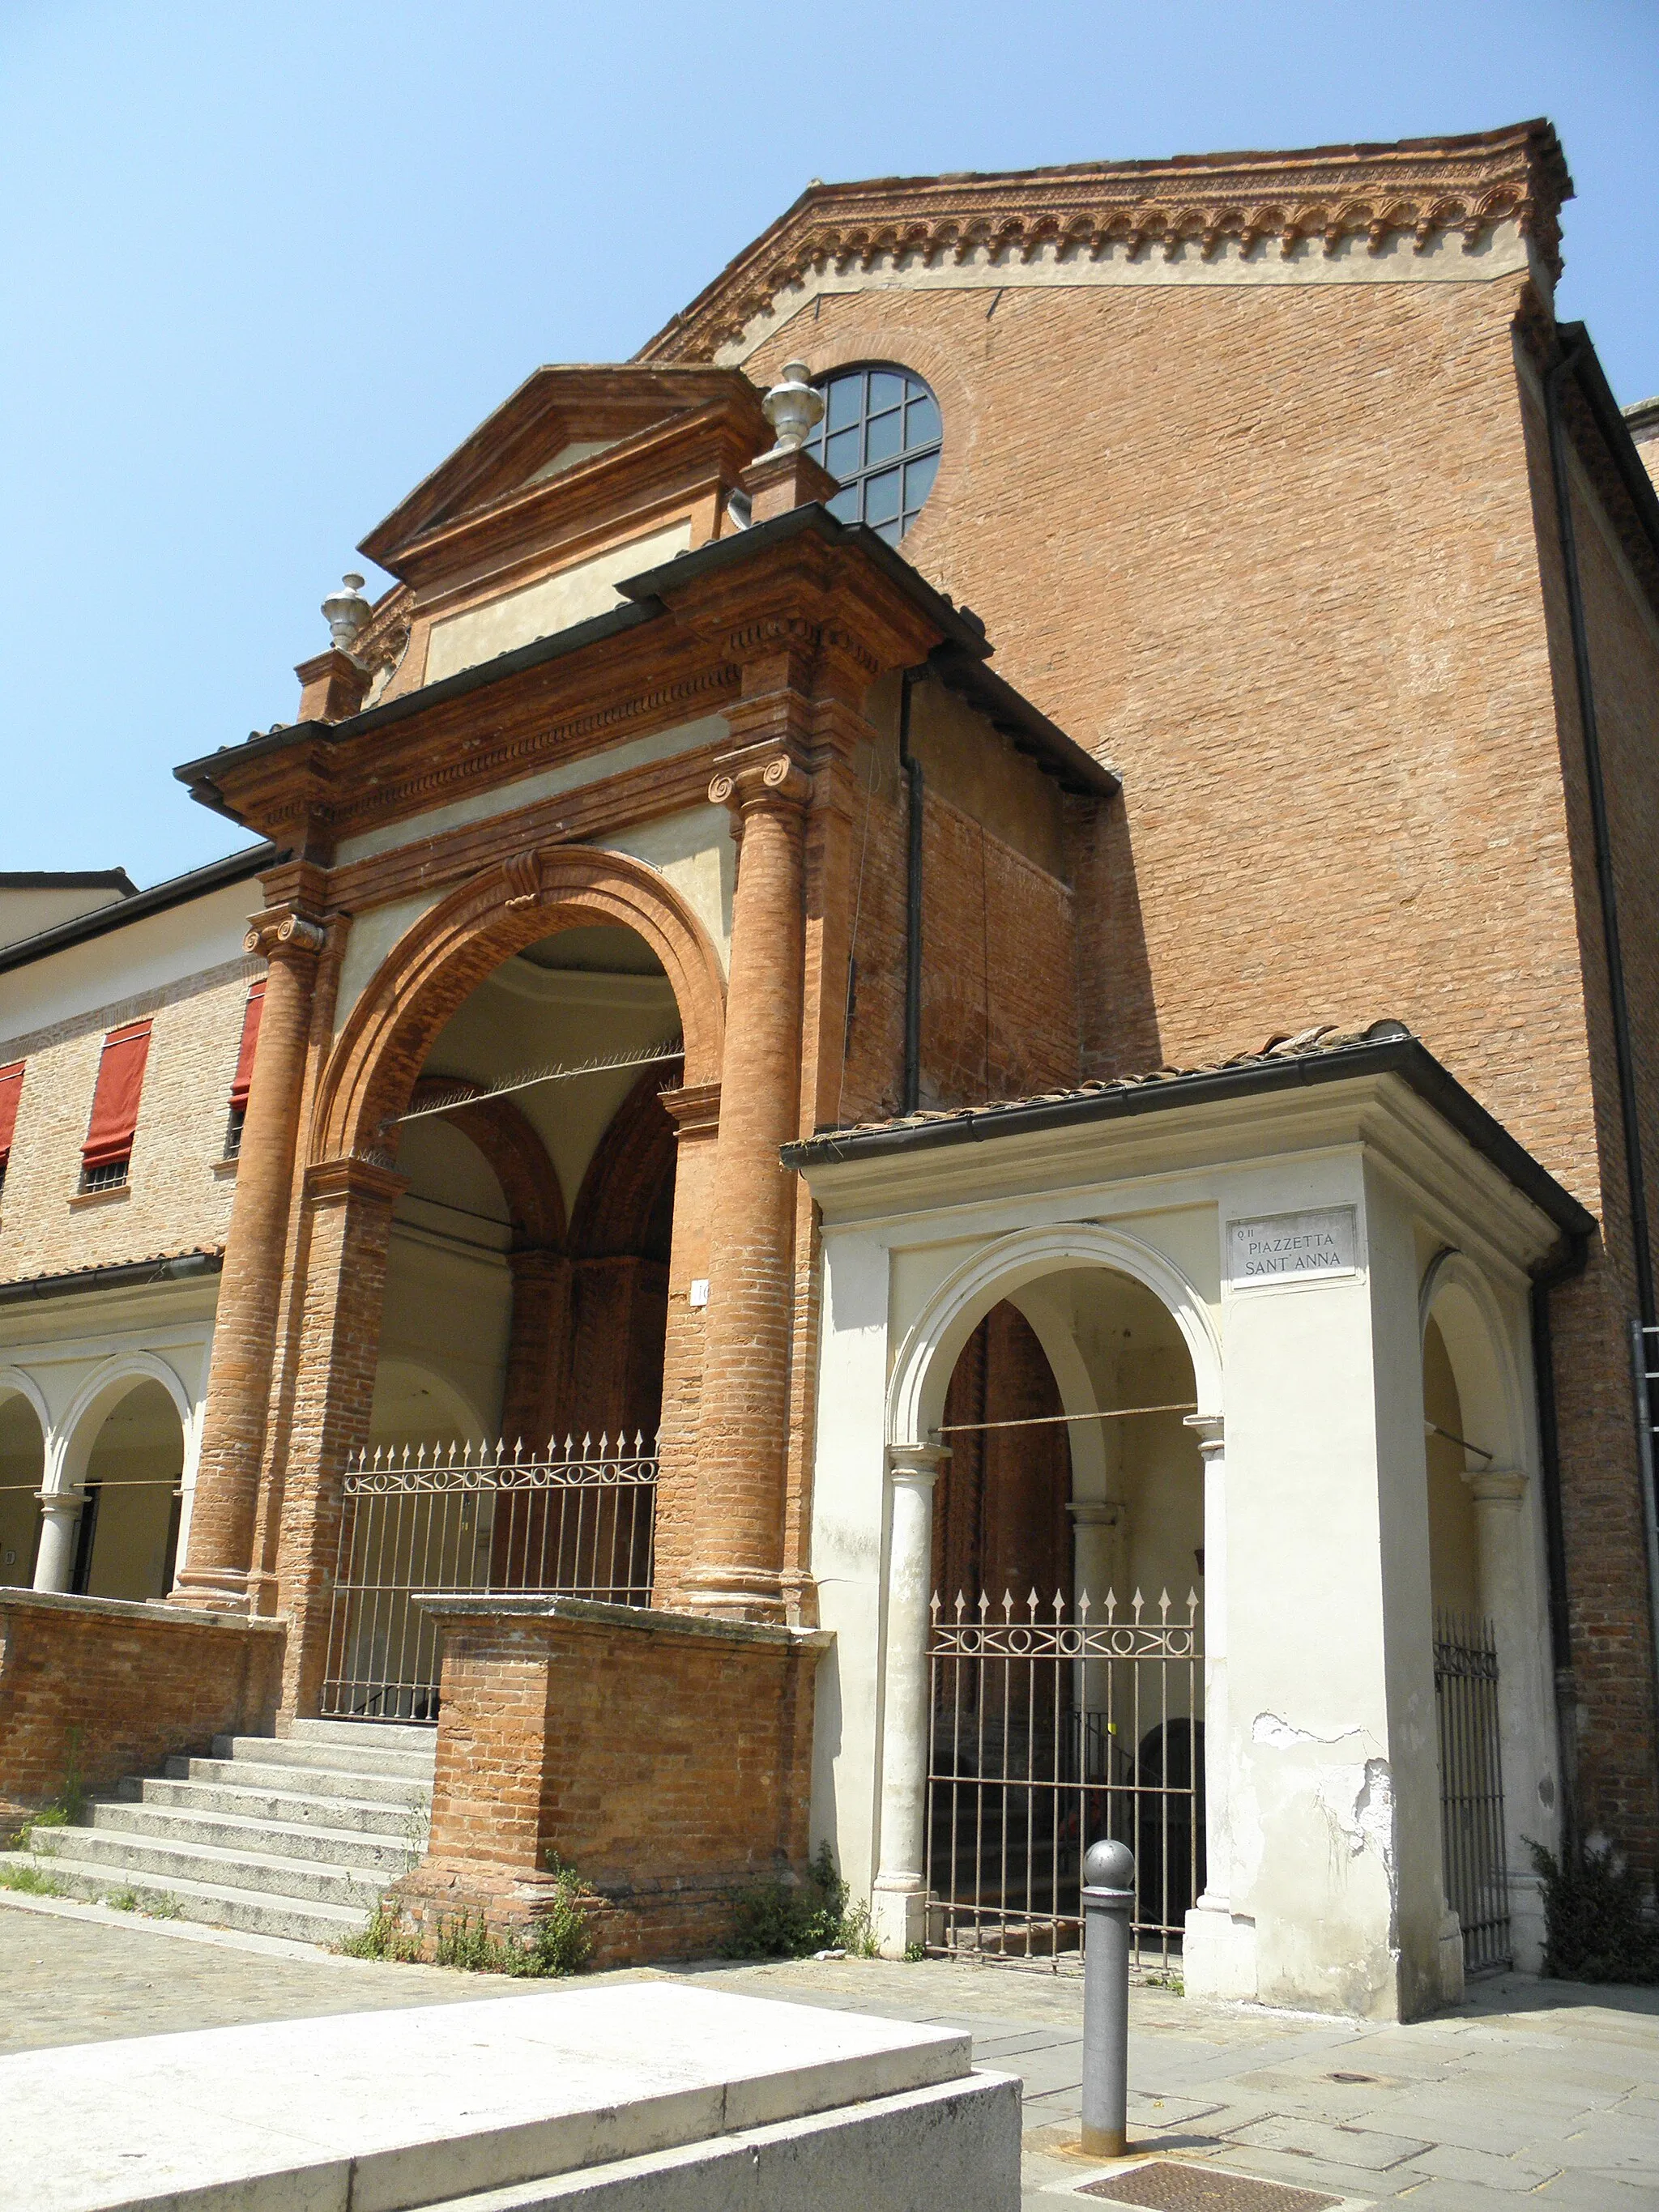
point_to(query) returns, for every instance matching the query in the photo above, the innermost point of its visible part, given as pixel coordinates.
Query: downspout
(912, 767)
(1624, 1053)
(1571, 1263)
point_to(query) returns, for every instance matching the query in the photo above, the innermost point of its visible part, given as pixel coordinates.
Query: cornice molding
(1425, 189)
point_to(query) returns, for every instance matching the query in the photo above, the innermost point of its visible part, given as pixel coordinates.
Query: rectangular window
(243, 1078)
(11, 1090)
(107, 1151)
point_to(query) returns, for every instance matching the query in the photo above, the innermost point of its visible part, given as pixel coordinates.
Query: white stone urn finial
(347, 612)
(793, 408)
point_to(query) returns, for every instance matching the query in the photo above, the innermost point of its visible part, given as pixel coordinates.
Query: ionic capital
(1210, 1429)
(284, 933)
(770, 781)
(916, 1466)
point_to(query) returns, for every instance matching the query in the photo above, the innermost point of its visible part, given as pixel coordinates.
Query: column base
(735, 1593)
(211, 1590)
(1449, 1959)
(898, 1914)
(1218, 1953)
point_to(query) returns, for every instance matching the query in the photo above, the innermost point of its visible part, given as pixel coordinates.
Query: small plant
(163, 1908)
(468, 1945)
(31, 1881)
(1598, 1924)
(386, 1937)
(914, 1954)
(560, 1939)
(782, 1919)
(72, 1798)
(1174, 1983)
(123, 1900)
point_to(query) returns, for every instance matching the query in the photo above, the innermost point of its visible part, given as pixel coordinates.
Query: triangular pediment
(559, 420)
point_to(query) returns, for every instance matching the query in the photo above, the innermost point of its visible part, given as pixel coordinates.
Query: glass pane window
(880, 439)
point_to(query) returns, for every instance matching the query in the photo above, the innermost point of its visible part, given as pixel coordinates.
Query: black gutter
(68, 879)
(1027, 729)
(184, 1269)
(1615, 424)
(916, 784)
(1578, 360)
(235, 869)
(1555, 1271)
(1387, 1049)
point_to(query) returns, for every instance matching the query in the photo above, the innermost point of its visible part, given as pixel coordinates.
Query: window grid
(110, 1175)
(880, 439)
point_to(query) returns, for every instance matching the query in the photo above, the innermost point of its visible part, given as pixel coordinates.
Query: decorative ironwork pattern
(578, 1522)
(1472, 1789)
(1052, 1726)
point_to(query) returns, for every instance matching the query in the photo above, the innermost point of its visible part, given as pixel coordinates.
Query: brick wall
(139, 1682)
(665, 1758)
(172, 1201)
(1283, 555)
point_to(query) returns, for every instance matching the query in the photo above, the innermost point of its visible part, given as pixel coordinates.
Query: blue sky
(263, 266)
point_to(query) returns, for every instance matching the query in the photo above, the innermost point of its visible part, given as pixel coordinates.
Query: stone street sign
(1282, 1246)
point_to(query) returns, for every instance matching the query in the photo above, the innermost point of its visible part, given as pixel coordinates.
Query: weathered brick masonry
(107, 1690)
(665, 1757)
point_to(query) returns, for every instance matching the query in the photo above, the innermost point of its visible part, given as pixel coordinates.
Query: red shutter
(115, 1100)
(241, 1087)
(11, 1090)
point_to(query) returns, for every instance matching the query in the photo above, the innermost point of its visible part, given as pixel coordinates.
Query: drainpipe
(1570, 1263)
(912, 767)
(1572, 355)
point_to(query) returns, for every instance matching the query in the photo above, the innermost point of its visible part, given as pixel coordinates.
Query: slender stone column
(738, 1557)
(1512, 1600)
(223, 1510)
(899, 1900)
(1097, 1535)
(60, 1509)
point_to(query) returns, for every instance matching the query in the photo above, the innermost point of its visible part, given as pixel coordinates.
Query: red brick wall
(140, 1683)
(666, 1758)
(1000, 1523)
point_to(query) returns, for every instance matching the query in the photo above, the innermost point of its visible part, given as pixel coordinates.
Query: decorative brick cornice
(1424, 189)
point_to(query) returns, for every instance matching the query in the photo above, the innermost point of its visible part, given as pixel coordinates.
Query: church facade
(926, 1124)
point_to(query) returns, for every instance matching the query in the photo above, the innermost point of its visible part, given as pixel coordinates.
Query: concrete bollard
(1109, 1896)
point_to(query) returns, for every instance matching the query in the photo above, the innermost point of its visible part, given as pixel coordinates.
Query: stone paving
(1541, 2090)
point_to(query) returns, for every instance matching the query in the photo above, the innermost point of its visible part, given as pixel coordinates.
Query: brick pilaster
(222, 1516)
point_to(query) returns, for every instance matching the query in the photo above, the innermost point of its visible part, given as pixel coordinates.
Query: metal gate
(1046, 1734)
(466, 1517)
(1472, 1789)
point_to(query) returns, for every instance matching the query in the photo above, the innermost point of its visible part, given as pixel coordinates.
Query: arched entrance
(22, 1471)
(1055, 1678)
(551, 1332)
(1487, 1590)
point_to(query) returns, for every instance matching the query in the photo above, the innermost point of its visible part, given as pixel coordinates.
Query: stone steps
(297, 1837)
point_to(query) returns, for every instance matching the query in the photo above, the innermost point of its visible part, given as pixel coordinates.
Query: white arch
(1458, 1298)
(15, 1383)
(921, 1372)
(96, 1400)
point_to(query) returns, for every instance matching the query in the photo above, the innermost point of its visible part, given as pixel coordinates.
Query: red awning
(115, 1100)
(241, 1087)
(11, 1090)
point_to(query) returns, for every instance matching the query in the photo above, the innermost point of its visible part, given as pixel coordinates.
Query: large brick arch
(512, 1151)
(436, 965)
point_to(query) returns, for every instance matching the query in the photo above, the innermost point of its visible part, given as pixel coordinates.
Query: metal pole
(1109, 1892)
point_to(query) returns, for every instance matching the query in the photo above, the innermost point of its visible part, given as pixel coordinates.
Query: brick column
(535, 1402)
(221, 1522)
(738, 1541)
(348, 1206)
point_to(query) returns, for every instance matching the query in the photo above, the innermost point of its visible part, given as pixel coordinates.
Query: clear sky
(263, 265)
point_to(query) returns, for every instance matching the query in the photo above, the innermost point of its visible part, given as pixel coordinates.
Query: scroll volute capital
(769, 777)
(285, 933)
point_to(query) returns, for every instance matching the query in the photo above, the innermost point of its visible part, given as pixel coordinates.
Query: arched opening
(22, 1468)
(1065, 1670)
(1454, 1539)
(127, 1536)
(540, 1333)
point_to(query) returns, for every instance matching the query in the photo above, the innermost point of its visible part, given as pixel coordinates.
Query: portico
(1297, 1216)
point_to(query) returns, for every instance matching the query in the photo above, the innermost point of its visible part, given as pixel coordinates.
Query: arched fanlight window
(879, 439)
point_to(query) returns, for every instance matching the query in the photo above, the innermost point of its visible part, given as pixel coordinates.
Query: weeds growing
(781, 1919)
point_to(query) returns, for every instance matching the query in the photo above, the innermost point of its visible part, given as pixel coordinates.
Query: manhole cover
(1170, 2188)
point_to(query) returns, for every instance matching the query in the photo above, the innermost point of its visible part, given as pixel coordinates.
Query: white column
(898, 1905)
(193, 1440)
(60, 1509)
(1099, 1527)
(1218, 1959)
